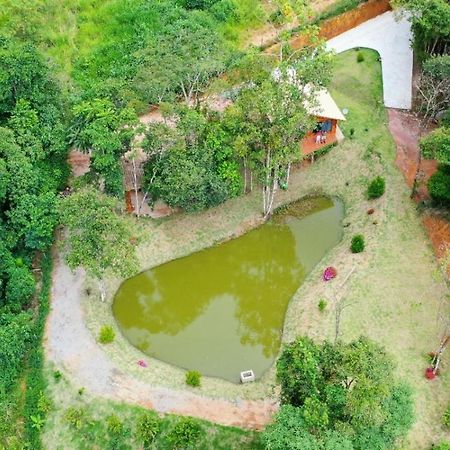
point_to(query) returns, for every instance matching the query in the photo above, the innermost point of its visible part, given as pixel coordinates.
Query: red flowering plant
(329, 273)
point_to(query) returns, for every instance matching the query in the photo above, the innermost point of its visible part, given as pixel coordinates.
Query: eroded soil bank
(405, 129)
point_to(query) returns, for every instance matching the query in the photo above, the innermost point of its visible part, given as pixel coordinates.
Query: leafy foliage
(192, 166)
(436, 145)
(106, 335)
(446, 417)
(185, 433)
(430, 23)
(322, 305)
(90, 218)
(376, 188)
(32, 169)
(439, 185)
(357, 245)
(149, 426)
(338, 396)
(193, 378)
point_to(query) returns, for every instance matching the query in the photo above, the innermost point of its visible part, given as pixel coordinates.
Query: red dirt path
(405, 129)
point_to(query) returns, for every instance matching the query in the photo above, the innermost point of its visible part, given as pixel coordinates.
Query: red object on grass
(142, 363)
(429, 373)
(329, 273)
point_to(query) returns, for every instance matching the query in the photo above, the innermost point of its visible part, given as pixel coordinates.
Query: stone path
(391, 37)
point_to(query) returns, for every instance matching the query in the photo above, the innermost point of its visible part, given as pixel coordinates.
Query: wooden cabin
(326, 132)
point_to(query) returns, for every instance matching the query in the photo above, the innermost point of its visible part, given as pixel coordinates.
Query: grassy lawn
(395, 293)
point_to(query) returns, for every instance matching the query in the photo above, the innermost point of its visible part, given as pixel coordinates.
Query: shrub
(148, 428)
(75, 417)
(439, 185)
(20, 286)
(446, 417)
(193, 378)
(357, 245)
(57, 375)
(106, 335)
(322, 304)
(44, 404)
(360, 57)
(442, 446)
(185, 433)
(224, 10)
(376, 188)
(114, 424)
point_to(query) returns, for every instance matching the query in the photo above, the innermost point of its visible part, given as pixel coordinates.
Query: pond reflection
(221, 310)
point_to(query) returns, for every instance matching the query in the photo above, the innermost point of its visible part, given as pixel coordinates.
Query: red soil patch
(79, 162)
(438, 230)
(405, 129)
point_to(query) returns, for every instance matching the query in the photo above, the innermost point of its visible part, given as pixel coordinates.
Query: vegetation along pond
(221, 310)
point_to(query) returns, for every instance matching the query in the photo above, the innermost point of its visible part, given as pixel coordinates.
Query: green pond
(221, 310)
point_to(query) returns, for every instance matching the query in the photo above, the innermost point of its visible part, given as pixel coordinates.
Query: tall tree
(99, 238)
(274, 119)
(106, 133)
(430, 21)
(338, 396)
(181, 60)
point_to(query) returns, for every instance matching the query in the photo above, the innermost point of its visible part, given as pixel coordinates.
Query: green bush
(20, 286)
(446, 417)
(106, 335)
(44, 404)
(185, 433)
(442, 446)
(224, 10)
(148, 427)
(75, 417)
(360, 57)
(376, 188)
(114, 424)
(322, 304)
(357, 245)
(439, 185)
(193, 378)
(57, 375)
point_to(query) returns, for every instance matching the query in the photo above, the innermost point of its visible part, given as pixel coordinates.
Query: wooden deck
(308, 144)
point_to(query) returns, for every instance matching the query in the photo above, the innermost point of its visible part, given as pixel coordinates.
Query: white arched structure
(391, 38)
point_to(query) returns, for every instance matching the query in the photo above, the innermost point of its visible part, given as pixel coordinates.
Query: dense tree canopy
(99, 238)
(32, 170)
(192, 164)
(431, 24)
(338, 396)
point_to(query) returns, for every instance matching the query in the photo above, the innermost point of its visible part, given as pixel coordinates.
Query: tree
(191, 163)
(24, 76)
(338, 395)
(434, 86)
(274, 119)
(181, 60)
(99, 239)
(430, 21)
(106, 133)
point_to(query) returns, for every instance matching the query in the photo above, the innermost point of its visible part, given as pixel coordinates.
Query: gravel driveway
(391, 37)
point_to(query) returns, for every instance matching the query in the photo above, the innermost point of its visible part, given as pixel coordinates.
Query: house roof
(324, 106)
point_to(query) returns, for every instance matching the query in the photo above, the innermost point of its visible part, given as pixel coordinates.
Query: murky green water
(221, 310)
